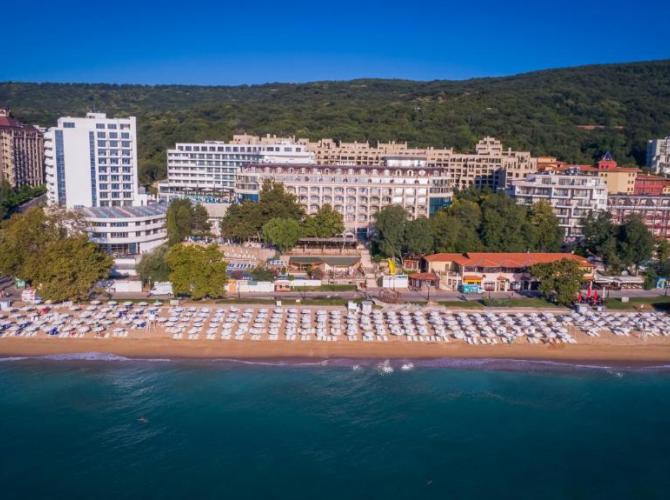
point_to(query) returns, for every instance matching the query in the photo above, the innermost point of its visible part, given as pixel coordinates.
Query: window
(99, 125)
(68, 125)
(111, 126)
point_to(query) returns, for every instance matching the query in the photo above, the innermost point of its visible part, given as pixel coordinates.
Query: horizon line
(361, 78)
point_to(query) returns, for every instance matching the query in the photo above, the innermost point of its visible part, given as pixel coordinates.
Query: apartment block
(654, 210)
(658, 155)
(572, 195)
(21, 152)
(92, 162)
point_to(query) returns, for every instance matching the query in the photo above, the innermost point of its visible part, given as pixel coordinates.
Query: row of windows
(242, 149)
(113, 135)
(112, 126)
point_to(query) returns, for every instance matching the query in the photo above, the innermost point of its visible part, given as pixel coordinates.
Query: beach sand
(611, 349)
(155, 342)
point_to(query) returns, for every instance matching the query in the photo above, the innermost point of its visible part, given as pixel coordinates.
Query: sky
(248, 42)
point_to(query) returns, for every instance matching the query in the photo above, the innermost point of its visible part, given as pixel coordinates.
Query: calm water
(130, 429)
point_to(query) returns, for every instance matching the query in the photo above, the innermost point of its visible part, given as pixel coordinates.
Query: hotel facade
(572, 196)
(490, 165)
(654, 210)
(92, 162)
(206, 172)
(357, 192)
(91, 167)
(21, 152)
(658, 155)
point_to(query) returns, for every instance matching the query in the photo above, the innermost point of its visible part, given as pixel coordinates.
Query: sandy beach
(632, 350)
(154, 341)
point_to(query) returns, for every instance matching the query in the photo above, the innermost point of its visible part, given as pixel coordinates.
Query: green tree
(560, 281)
(505, 226)
(200, 224)
(245, 220)
(662, 249)
(282, 233)
(241, 222)
(197, 271)
(68, 268)
(179, 221)
(389, 230)
(547, 233)
(153, 266)
(23, 237)
(456, 229)
(418, 237)
(600, 238)
(635, 242)
(276, 202)
(325, 223)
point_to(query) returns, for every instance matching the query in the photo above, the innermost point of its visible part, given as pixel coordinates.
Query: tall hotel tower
(92, 162)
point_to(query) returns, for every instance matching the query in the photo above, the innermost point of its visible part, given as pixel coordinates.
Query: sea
(97, 426)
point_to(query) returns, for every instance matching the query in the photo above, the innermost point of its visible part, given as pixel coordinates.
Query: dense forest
(574, 113)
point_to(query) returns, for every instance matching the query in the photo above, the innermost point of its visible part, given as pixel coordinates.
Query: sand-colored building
(490, 165)
(21, 152)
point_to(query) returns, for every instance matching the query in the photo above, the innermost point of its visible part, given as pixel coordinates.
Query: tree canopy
(197, 271)
(475, 221)
(68, 268)
(389, 235)
(153, 266)
(560, 280)
(325, 223)
(185, 219)
(36, 247)
(282, 233)
(245, 220)
(619, 246)
(572, 113)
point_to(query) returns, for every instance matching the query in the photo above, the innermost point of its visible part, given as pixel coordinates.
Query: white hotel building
(658, 155)
(573, 196)
(206, 172)
(92, 162)
(91, 166)
(357, 192)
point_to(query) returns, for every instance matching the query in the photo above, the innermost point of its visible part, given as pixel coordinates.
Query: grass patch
(326, 288)
(526, 302)
(470, 304)
(661, 303)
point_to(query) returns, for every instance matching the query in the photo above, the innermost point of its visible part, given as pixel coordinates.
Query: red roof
(490, 259)
(424, 276)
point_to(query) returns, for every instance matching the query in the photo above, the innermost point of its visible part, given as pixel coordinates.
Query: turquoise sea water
(167, 429)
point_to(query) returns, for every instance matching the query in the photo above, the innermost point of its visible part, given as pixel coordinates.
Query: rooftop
(518, 260)
(123, 212)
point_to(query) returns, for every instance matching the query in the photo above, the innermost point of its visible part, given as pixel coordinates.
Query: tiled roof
(485, 259)
(423, 276)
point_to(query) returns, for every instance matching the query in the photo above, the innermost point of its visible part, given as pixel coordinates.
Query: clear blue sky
(254, 41)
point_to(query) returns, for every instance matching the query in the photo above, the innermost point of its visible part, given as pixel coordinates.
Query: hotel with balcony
(206, 172)
(571, 194)
(357, 192)
(654, 210)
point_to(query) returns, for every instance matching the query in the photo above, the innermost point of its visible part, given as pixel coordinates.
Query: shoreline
(647, 354)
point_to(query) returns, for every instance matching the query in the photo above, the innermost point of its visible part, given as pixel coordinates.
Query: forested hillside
(549, 112)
